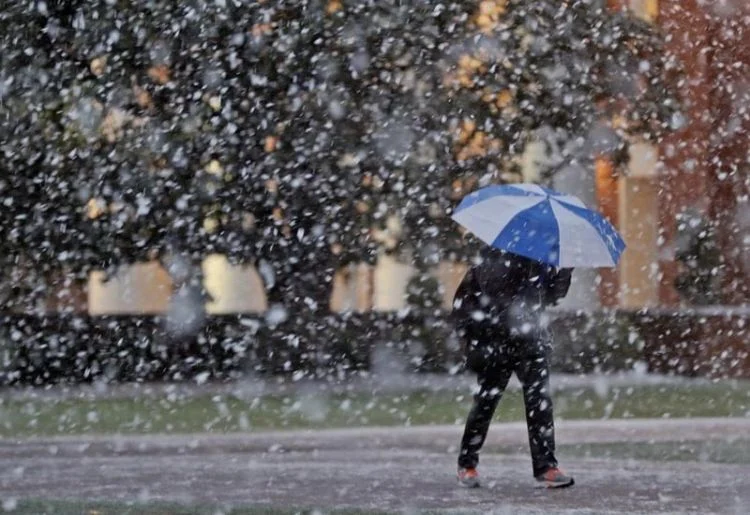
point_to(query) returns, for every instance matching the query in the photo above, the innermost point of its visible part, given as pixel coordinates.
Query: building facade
(700, 174)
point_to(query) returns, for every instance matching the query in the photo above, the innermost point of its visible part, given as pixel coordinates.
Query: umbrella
(541, 224)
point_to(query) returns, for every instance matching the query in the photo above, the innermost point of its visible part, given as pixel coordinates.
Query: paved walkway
(378, 468)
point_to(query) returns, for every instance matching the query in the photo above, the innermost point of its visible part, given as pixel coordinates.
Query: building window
(646, 9)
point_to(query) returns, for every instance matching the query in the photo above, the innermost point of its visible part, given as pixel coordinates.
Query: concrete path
(404, 468)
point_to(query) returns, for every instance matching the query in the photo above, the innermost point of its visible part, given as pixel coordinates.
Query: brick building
(703, 168)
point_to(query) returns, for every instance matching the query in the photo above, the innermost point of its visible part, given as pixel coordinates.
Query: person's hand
(559, 285)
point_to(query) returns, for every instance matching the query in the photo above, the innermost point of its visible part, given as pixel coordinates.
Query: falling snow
(221, 216)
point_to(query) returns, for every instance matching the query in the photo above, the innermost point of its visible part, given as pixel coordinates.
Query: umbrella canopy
(540, 224)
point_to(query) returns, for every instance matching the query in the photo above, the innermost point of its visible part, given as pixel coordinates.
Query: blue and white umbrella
(540, 224)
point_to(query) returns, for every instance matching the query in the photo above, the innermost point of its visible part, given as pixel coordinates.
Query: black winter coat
(505, 295)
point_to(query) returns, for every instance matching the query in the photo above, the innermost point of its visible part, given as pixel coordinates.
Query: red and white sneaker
(555, 478)
(468, 477)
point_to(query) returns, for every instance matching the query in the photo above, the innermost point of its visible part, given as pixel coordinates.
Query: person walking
(536, 237)
(497, 311)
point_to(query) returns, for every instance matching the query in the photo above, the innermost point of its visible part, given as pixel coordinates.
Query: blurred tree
(288, 133)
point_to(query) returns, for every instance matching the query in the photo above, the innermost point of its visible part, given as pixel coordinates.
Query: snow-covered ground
(378, 468)
(374, 383)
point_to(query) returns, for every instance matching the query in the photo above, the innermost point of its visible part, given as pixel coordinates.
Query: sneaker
(468, 478)
(555, 478)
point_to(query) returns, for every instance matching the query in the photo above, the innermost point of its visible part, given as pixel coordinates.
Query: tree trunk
(187, 306)
(302, 287)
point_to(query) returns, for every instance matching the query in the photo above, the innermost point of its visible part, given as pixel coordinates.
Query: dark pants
(494, 364)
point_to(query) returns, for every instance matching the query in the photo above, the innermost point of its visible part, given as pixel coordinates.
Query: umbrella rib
(608, 234)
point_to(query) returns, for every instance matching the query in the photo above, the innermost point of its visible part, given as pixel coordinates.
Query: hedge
(49, 349)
